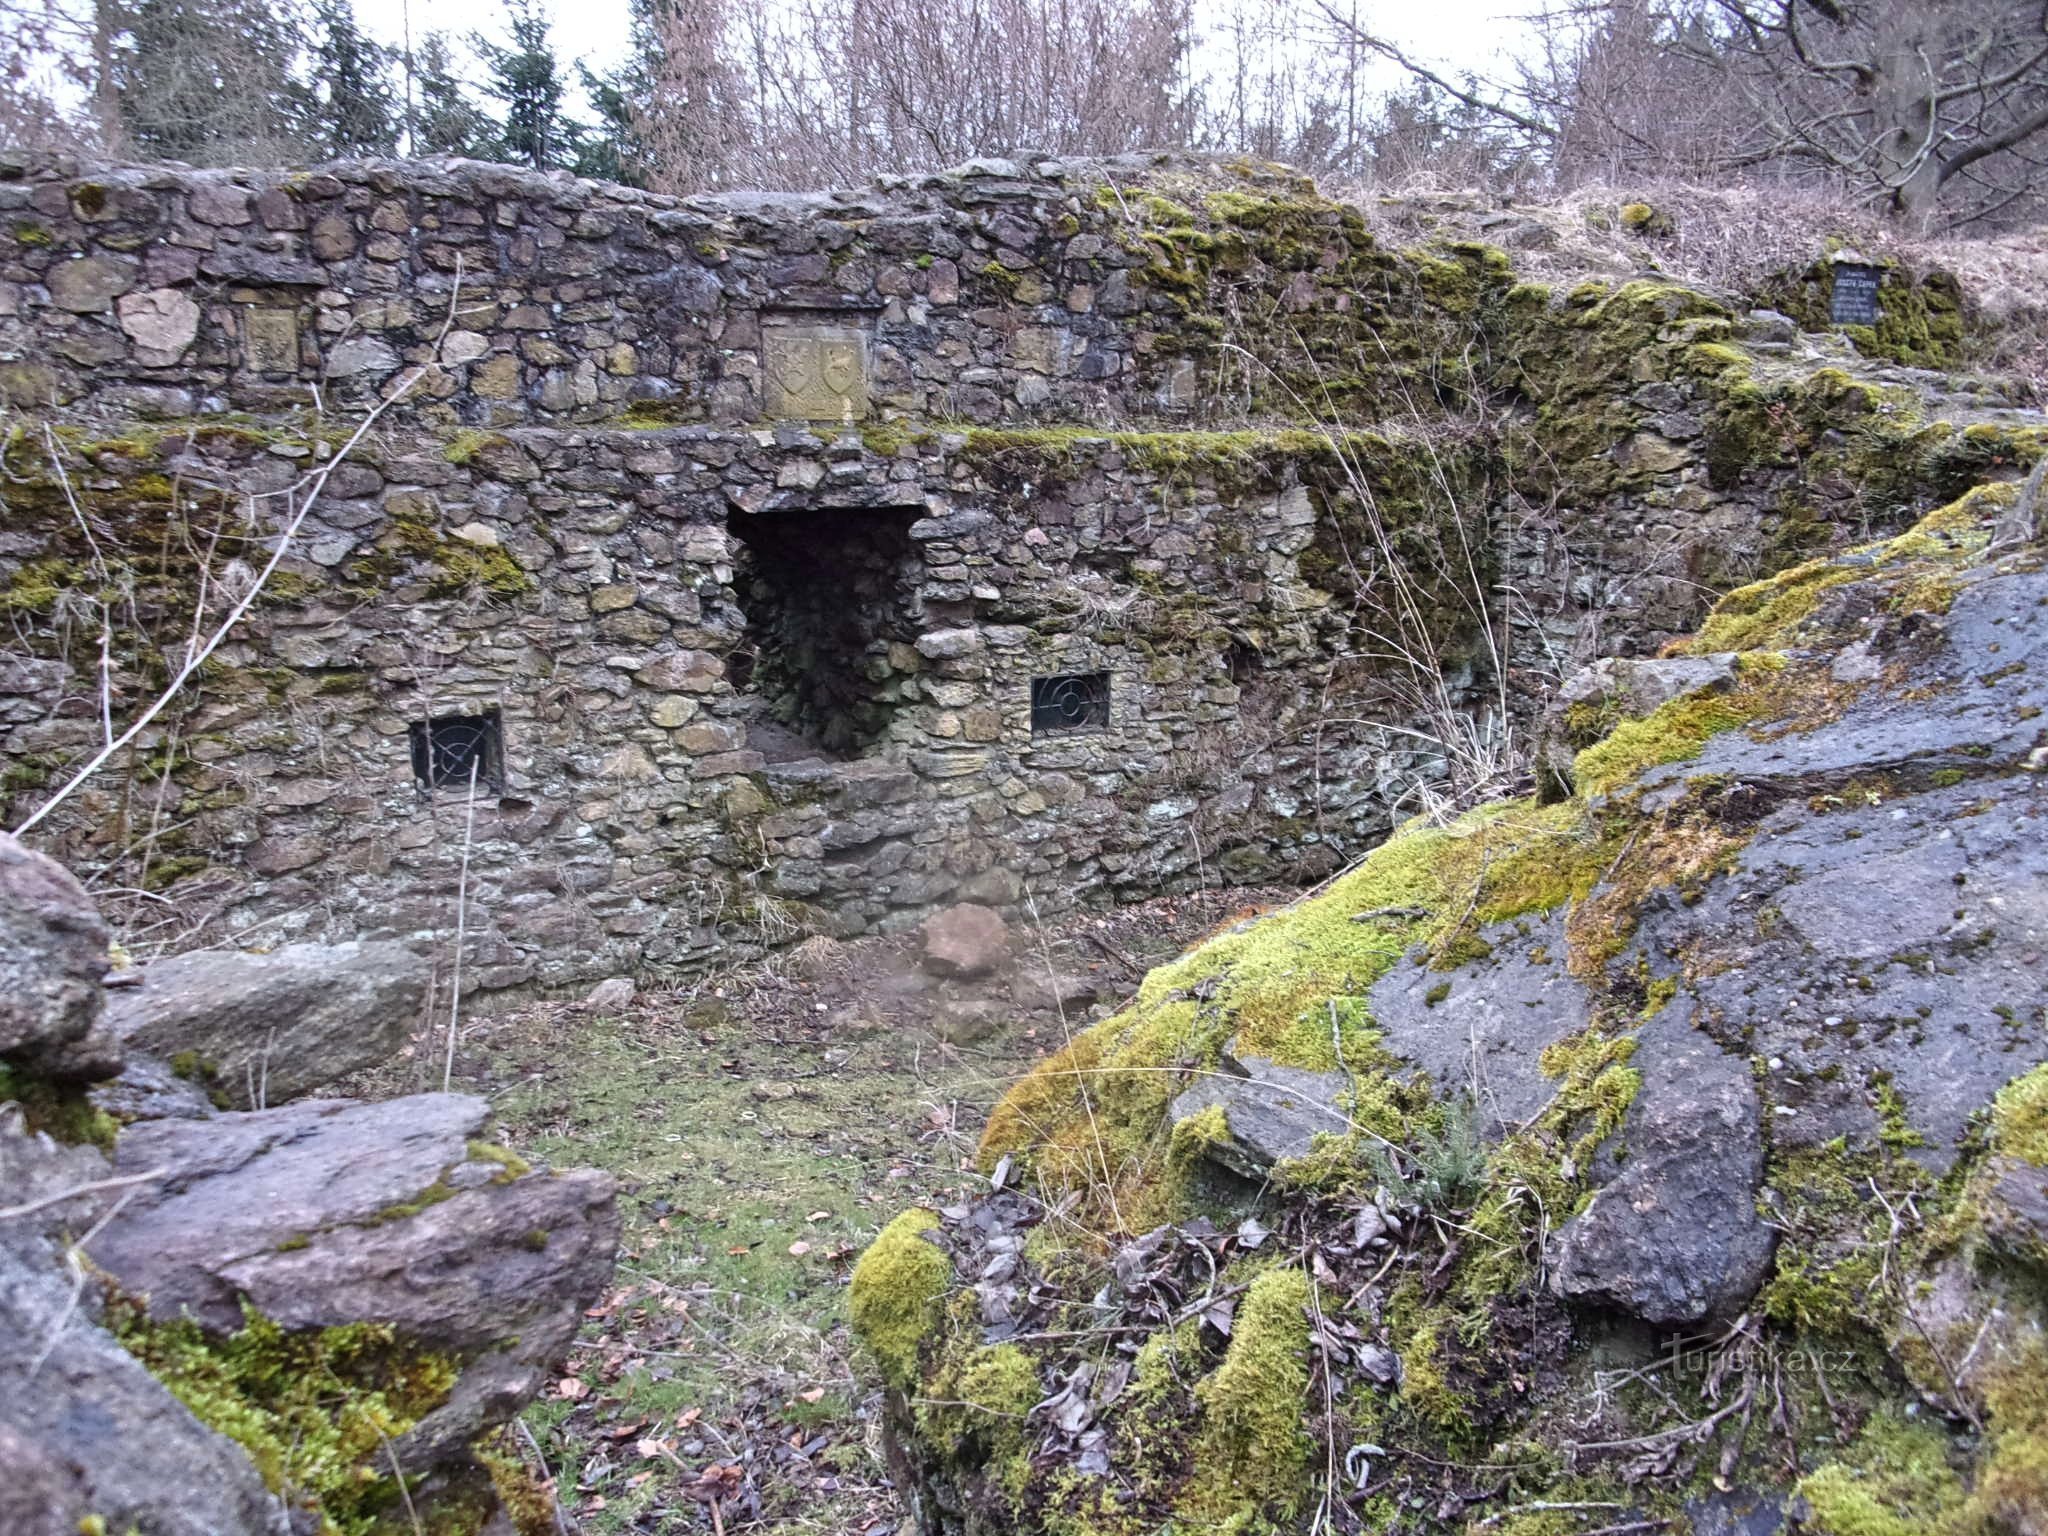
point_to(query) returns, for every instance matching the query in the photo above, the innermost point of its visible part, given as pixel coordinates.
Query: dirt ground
(763, 1125)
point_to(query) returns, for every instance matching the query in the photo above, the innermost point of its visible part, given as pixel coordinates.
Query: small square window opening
(446, 750)
(1071, 701)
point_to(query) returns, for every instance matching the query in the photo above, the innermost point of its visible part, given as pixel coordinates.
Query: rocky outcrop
(328, 1213)
(1742, 1042)
(85, 1429)
(262, 1029)
(53, 954)
(248, 1324)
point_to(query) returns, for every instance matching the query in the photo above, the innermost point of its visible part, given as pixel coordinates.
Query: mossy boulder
(352, 1292)
(1726, 1038)
(894, 1295)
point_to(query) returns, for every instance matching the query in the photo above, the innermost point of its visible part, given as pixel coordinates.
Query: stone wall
(988, 294)
(741, 536)
(650, 803)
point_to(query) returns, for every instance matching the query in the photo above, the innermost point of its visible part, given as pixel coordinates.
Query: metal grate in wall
(1069, 701)
(446, 750)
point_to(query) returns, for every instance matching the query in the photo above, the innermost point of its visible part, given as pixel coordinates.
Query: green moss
(652, 415)
(1776, 612)
(1676, 731)
(34, 588)
(1421, 1338)
(1194, 1134)
(192, 1067)
(1894, 1481)
(972, 1412)
(2012, 1479)
(163, 873)
(32, 235)
(510, 1164)
(2019, 1118)
(1292, 987)
(893, 1297)
(62, 1111)
(315, 1410)
(1642, 219)
(468, 443)
(461, 566)
(1250, 1450)
(402, 1210)
(1832, 1254)
(887, 439)
(1921, 316)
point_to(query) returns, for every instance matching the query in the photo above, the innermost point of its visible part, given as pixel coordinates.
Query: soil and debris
(765, 1123)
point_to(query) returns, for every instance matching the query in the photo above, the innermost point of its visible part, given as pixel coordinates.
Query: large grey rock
(84, 1428)
(267, 1028)
(330, 1211)
(53, 952)
(1610, 691)
(1896, 944)
(1480, 1031)
(1673, 1236)
(965, 941)
(1274, 1112)
(1978, 678)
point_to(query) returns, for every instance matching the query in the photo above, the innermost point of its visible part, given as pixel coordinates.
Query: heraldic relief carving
(814, 371)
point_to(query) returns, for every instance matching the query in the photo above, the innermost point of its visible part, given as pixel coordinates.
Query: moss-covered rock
(1250, 1450)
(1920, 313)
(893, 1297)
(1576, 1044)
(316, 1411)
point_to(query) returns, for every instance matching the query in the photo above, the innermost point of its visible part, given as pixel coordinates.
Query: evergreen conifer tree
(527, 78)
(352, 75)
(444, 121)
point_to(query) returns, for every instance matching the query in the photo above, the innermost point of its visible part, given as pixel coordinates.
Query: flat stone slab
(1274, 1112)
(266, 1028)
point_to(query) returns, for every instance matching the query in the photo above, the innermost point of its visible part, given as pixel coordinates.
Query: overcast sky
(1465, 34)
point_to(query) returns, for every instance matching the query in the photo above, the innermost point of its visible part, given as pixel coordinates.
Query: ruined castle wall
(646, 806)
(535, 299)
(799, 564)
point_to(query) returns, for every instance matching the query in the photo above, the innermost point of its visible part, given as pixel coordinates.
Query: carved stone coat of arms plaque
(814, 372)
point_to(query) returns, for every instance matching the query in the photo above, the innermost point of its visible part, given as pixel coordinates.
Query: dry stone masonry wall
(1024, 535)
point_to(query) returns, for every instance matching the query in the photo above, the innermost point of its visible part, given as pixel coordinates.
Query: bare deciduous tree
(1935, 109)
(818, 91)
(1925, 103)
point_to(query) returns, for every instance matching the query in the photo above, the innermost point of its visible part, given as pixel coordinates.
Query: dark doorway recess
(825, 592)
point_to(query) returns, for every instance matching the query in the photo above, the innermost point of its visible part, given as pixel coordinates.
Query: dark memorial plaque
(1855, 296)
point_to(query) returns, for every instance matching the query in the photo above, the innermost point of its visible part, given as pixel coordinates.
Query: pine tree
(527, 78)
(616, 147)
(611, 150)
(445, 121)
(352, 75)
(211, 81)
